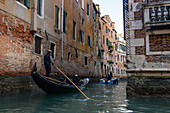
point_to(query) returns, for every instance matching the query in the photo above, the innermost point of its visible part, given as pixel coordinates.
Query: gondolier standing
(48, 60)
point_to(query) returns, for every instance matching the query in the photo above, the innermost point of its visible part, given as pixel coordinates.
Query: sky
(113, 8)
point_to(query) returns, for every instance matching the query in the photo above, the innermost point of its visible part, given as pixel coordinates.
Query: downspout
(33, 17)
(62, 17)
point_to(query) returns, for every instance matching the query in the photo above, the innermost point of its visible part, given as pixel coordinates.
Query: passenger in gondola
(76, 79)
(108, 77)
(48, 60)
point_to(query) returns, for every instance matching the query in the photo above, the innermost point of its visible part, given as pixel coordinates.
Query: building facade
(147, 35)
(120, 55)
(28, 28)
(108, 38)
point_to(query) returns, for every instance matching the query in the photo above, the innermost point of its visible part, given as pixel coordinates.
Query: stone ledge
(148, 86)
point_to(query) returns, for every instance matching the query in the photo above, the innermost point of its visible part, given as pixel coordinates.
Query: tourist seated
(108, 77)
(76, 79)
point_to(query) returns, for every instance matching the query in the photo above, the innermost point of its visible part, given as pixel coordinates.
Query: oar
(72, 83)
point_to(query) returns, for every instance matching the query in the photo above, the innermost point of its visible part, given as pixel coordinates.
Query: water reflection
(112, 99)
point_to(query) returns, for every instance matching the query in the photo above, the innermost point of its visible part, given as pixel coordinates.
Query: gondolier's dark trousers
(48, 69)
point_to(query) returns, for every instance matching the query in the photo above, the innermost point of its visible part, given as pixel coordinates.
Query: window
(116, 47)
(103, 26)
(108, 32)
(82, 21)
(74, 30)
(52, 47)
(65, 22)
(56, 16)
(38, 45)
(82, 4)
(85, 60)
(88, 10)
(81, 35)
(89, 41)
(69, 56)
(94, 14)
(103, 39)
(107, 42)
(25, 2)
(39, 7)
(106, 29)
(111, 34)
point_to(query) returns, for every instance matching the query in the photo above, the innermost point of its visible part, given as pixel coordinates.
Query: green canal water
(112, 99)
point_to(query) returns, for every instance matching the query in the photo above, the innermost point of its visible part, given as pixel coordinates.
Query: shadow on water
(112, 99)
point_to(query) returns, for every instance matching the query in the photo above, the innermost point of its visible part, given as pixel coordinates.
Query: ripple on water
(112, 99)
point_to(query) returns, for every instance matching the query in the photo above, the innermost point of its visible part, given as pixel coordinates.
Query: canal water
(109, 99)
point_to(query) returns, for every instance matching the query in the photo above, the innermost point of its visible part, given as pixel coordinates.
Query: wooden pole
(71, 82)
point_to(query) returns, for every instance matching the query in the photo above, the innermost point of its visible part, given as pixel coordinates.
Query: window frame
(88, 9)
(85, 60)
(57, 17)
(81, 33)
(40, 45)
(54, 52)
(74, 30)
(89, 41)
(65, 22)
(25, 3)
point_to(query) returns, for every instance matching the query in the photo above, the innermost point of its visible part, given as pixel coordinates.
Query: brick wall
(159, 42)
(16, 46)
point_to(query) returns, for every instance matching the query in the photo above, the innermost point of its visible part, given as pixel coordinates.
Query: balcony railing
(152, 1)
(159, 13)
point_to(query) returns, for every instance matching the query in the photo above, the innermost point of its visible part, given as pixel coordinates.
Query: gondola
(113, 81)
(53, 86)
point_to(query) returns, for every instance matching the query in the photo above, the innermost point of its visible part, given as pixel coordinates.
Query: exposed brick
(140, 33)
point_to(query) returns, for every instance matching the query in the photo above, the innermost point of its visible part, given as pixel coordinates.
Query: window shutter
(79, 35)
(27, 4)
(87, 9)
(39, 7)
(74, 30)
(56, 16)
(65, 23)
(90, 41)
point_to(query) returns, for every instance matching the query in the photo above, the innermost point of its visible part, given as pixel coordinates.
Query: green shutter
(27, 3)
(103, 39)
(65, 22)
(116, 47)
(39, 7)
(56, 16)
(87, 9)
(90, 42)
(74, 30)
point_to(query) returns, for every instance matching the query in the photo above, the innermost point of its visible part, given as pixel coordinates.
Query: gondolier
(48, 60)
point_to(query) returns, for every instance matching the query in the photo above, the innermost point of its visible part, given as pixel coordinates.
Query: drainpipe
(33, 16)
(62, 17)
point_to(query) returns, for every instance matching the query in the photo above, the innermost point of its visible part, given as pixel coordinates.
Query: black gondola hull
(49, 86)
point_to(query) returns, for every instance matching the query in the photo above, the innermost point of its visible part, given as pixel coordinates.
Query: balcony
(110, 48)
(157, 14)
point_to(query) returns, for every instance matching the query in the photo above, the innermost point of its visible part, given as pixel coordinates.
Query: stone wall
(16, 84)
(148, 86)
